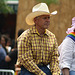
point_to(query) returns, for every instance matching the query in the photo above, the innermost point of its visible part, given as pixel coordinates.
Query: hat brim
(30, 18)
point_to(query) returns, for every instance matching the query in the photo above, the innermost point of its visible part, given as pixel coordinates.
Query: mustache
(47, 23)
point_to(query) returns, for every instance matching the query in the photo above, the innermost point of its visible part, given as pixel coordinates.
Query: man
(37, 47)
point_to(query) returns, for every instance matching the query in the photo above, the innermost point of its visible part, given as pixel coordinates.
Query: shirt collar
(34, 30)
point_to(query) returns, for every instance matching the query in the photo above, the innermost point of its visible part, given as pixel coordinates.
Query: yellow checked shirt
(34, 49)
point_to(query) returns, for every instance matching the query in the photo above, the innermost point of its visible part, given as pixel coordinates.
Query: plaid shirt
(34, 49)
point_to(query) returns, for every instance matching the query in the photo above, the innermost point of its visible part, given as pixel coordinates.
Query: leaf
(48, 2)
(4, 8)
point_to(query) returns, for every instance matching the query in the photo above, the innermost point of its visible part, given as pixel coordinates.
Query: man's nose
(48, 20)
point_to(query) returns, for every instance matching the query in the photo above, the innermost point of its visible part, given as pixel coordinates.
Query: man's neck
(40, 31)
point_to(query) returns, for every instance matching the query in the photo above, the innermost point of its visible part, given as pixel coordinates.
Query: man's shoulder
(1, 48)
(25, 34)
(50, 33)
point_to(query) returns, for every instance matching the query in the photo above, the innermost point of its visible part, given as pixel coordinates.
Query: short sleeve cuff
(64, 66)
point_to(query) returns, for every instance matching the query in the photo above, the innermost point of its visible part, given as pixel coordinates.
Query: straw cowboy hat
(39, 9)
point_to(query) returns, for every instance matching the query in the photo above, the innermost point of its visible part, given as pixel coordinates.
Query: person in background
(3, 63)
(20, 32)
(11, 58)
(37, 46)
(8, 45)
(67, 52)
(4, 40)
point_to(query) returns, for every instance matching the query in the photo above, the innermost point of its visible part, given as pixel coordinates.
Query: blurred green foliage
(4, 8)
(48, 2)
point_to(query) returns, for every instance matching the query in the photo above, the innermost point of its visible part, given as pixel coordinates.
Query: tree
(4, 8)
(49, 1)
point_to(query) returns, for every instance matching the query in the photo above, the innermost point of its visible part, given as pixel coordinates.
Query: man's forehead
(44, 15)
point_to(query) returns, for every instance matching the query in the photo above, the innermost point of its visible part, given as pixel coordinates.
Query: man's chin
(46, 27)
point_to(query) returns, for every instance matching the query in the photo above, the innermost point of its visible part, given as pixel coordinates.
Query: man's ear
(35, 20)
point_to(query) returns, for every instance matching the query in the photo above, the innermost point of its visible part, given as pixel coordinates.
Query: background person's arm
(12, 55)
(7, 59)
(65, 71)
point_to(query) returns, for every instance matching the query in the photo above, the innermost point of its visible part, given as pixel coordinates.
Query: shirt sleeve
(2, 54)
(26, 58)
(54, 65)
(66, 53)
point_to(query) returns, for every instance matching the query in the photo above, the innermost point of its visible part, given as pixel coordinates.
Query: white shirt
(67, 54)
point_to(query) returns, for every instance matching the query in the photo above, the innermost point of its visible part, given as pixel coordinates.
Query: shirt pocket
(50, 46)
